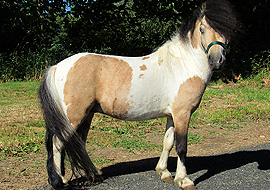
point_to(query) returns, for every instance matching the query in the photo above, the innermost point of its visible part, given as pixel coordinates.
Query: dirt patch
(217, 140)
(24, 172)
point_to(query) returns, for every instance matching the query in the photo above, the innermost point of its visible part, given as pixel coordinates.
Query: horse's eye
(201, 30)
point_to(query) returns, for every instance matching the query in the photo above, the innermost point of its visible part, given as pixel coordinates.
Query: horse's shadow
(213, 164)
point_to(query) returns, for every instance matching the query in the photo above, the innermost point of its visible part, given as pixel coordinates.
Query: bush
(28, 65)
(261, 62)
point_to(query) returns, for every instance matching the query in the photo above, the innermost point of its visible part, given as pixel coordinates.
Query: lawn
(230, 106)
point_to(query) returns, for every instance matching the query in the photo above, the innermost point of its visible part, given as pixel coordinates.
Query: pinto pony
(167, 83)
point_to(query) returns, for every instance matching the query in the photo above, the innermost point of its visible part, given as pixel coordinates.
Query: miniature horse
(167, 83)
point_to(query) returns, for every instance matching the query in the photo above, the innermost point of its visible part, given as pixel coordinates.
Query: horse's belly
(139, 115)
(147, 108)
(131, 111)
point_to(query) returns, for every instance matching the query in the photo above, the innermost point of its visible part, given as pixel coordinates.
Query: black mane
(219, 15)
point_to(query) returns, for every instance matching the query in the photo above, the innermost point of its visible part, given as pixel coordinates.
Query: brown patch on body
(104, 79)
(113, 86)
(195, 37)
(186, 102)
(160, 61)
(144, 58)
(141, 75)
(143, 67)
(168, 114)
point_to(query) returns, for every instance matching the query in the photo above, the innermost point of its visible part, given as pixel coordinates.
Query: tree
(124, 27)
(29, 24)
(38, 33)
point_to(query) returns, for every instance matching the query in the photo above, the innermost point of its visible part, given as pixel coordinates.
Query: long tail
(57, 124)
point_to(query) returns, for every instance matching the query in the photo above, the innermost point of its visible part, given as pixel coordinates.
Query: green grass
(136, 143)
(18, 92)
(107, 131)
(228, 107)
(194, 138)
(18, 140)
(101, 161)
(21, 130)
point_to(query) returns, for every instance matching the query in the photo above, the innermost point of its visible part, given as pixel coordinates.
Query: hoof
(190, 187)
(165, 175)
(168, 179)
(65, 181)
(99, 172)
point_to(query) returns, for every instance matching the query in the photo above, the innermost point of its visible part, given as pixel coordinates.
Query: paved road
(247, 168)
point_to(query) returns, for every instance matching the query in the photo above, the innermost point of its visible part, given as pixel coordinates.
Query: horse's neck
(184, 60)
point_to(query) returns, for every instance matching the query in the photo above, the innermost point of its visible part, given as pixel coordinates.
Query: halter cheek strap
(206, 50)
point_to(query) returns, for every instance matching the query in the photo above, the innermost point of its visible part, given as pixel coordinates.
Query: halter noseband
(206, 50)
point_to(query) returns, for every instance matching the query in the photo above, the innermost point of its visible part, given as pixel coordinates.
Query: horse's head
(211, 31)
(211, 42)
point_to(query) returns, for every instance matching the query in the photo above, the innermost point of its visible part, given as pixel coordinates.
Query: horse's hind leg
(83, 130)
(168, 141)
(58, 157)
(84, 127)
(55, 161)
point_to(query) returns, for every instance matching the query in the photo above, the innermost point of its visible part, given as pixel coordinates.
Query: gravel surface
(247, 168)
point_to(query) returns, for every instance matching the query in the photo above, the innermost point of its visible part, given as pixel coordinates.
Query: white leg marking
(181, 177)
(57, 147)
(161, 167)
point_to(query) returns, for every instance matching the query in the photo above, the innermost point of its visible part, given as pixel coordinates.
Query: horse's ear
(203, 7)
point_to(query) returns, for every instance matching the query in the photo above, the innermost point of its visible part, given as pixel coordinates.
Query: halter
(225, 46)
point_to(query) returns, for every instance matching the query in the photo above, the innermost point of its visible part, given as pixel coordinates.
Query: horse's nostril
(221, 60)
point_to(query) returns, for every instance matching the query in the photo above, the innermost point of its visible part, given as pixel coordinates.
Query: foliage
(121, 27)
(261, 62)
(36, 34)
(29, 24)
(253, 39)
(30, 35)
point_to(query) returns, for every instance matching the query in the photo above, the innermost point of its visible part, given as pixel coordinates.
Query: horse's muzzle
(215, 60)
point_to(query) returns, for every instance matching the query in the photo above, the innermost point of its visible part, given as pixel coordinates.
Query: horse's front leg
(181, 129)
(168, 141)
